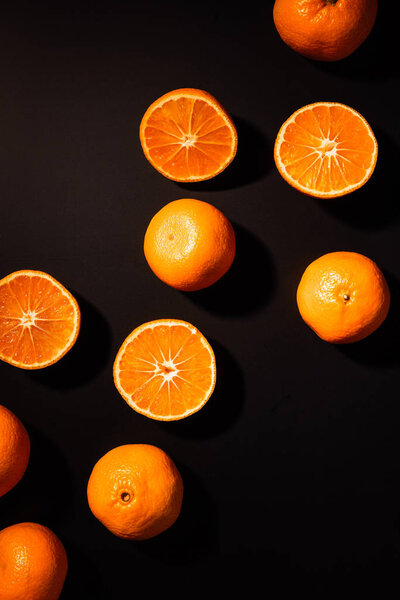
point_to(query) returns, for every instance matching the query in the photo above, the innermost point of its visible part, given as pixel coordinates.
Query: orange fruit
(189, 244)
(136, 491)
(33, 563)
(343, 297)
(187, 135)
(324, 29)
(326, 150)
(15, 450)
(165, 370)
(39, 319)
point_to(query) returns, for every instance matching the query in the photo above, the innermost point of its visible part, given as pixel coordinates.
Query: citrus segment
(326, 150)
(188, 136)
(39, 319)
(165, 369)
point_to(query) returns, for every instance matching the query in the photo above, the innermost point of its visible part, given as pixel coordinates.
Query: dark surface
(292, 470)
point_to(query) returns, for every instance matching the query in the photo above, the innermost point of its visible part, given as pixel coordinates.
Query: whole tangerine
(14, 450)
(33, 563)
(326, 30)
(135, 491)
(343, 297)
(189, 244)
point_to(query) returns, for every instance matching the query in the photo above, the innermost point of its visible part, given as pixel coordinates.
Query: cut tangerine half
(165, 370)
(188, 136)
(39, 319)
(326, 150)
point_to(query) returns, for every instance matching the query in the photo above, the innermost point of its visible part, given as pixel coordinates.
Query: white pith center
(328, 147)
(28, 318)
(166, 369)
(188, 139)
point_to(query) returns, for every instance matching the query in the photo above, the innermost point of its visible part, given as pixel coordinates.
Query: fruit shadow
(83, 579)
(44, 493)
(372, 60)
(252, 162)
(376, 204)
(194, 533)
(224, 406)
(87, 358)
(247, 286)
(381, 348)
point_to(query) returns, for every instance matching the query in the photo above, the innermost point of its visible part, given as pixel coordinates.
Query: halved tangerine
(165, 369)
(326, 149)
(188, 136)
(39, 319)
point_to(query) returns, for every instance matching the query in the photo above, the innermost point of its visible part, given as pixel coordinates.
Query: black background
(292, 469)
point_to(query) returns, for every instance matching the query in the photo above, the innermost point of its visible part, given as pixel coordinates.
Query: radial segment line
(9, 330)
(186, 359)
(203, 124)
(211, 131)
(306, 130)
(16, 299)
(319, 126)
(341, 170)
(172, 157)
(16, 344)
(308, 168)
(190, 383)
(191, 116)
(165, 132)
(51, 335)
(182, 347)
(205, 154)
(33, 344)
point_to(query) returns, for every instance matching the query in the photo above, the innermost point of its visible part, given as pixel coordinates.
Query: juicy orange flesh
(166, 370)
(188, 137)
(36, 320)
(327, 148)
